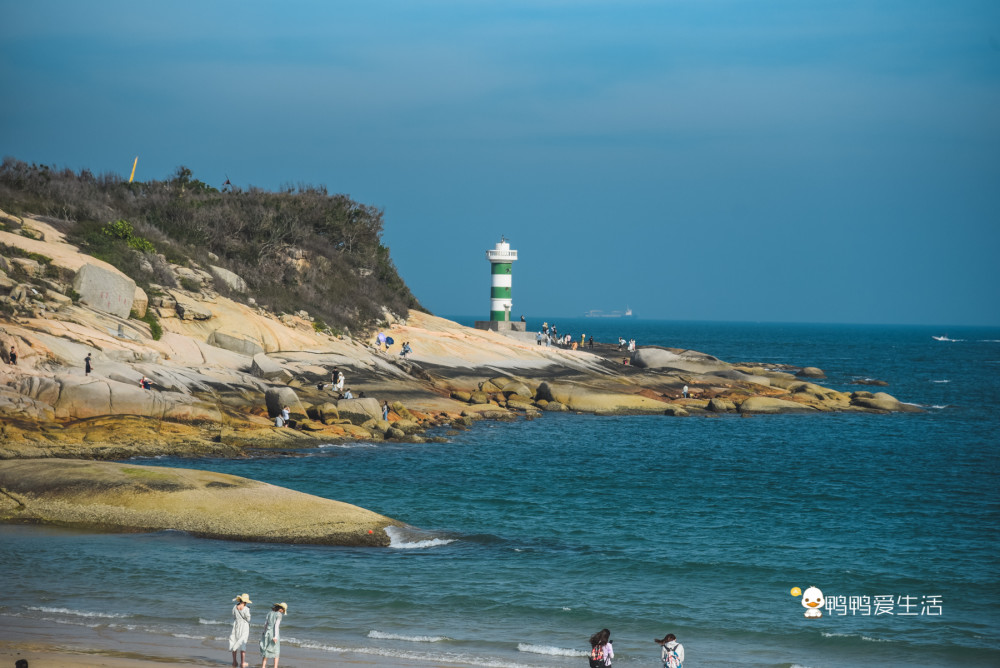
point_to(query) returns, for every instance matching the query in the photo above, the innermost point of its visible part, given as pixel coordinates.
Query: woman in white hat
(270, 642)
(241, 630)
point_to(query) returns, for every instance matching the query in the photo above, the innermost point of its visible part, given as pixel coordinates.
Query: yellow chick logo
(812, 601)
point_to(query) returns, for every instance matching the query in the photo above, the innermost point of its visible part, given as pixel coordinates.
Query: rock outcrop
(105, 289)
(126, 497)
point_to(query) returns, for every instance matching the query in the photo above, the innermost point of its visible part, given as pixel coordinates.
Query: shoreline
(46, 644)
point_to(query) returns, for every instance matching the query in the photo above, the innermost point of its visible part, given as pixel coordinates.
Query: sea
(518, 540)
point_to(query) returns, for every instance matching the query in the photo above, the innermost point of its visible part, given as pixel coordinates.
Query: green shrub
(122, 229)
(155, 329)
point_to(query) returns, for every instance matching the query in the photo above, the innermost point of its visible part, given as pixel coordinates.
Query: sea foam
(381, 635)
(551, 651)
(407, 539)
(79, 613)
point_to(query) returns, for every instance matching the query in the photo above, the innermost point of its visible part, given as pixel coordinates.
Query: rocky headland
(222, 368)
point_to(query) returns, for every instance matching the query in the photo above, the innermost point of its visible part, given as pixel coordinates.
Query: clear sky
(805, 161)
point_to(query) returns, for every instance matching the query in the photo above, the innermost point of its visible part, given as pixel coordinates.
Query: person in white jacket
(671, 651)
(241, 630)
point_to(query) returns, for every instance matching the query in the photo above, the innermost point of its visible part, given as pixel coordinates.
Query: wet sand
(53, 645)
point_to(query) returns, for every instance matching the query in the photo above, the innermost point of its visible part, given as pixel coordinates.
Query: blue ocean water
(535, 534)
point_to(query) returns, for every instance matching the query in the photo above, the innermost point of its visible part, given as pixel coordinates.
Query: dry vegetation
(297, 249)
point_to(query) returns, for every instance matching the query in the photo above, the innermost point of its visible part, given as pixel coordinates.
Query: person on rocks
(241, 630)
(348, 394)
(685, 392)
(13, 356)
(671, 651)
(145, 383)
(286, 414)
(338, 382)
(87, 365)
(385, 411)
(406, 349)
(270, 639)
(590, 342)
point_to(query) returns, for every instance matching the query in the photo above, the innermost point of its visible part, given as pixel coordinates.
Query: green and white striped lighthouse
(501, 257)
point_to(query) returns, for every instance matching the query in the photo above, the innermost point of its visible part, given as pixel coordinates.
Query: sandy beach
(51, 645)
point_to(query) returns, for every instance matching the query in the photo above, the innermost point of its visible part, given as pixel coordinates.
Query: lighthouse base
(501, 325)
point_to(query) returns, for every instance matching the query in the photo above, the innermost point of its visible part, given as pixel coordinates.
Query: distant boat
(942, 338)
(595, 313)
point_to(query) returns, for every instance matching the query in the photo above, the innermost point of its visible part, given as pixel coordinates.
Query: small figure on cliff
(338, 380)
(538, 338)
(590, 342)
(87, 367)
(385, 411)
(270, 640)
(406, 349)
(522, 318)
(145, 383)
(348, 394)
(13, 356)
(685, 392)
(241, 630)
(671, 651)
(285, 415)
(624, 361)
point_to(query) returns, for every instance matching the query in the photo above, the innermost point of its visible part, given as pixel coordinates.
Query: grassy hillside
(296, 249)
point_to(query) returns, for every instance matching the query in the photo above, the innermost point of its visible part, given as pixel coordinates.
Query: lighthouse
(501, 257)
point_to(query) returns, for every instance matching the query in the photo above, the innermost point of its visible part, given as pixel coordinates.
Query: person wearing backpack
(601, 651)
(671, 651)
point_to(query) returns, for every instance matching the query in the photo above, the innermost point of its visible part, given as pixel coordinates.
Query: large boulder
(140, 302)
(580, 398)
(229, 279)
(235, 341)
(359, 411)
(266, 368)
(277, 398)
(86, 397)
(662, 359)
(881, 401)
(772, 405)
(129, 497)
(189, 309)
(810, 372)
(105, 289)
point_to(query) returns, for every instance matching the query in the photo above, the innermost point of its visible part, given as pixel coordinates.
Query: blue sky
(717, 160)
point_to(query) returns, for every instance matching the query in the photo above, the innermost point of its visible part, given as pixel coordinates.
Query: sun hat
(243, 597)
(283, 606)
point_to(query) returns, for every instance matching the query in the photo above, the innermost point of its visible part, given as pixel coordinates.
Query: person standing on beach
(241, 630)
(671, 651)
(601, 651)
(87, 368)
(270, 641)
